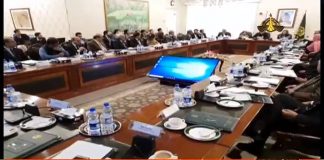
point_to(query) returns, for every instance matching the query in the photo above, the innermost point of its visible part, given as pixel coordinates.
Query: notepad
(283, 72)
(84, 149)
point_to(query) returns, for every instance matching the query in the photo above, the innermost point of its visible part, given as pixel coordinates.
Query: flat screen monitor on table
(183, 70)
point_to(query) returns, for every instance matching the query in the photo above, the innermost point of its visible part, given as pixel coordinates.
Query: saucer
(229, 103)
(182, 126)
(37, 122)
(212, 94)
(194, 132)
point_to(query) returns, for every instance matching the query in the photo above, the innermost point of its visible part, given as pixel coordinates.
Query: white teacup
(175, 121)
(163, 154)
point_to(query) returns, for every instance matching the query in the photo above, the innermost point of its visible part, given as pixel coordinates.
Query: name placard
(147, 129)
(57, 104)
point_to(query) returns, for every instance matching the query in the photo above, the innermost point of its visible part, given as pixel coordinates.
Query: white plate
(182, 126)
(197, 132)
(229, 103)
(37, 122)
(12, 105)
(260, 85)
(8, 131)
(254, 71)
(169, 101)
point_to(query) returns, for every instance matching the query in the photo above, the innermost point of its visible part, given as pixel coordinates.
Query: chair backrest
(61, 40)
(33, 52)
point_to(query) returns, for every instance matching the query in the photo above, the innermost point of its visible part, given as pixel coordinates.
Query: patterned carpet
(131, 100)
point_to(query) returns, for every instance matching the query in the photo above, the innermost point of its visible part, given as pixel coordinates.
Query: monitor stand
(173, 83)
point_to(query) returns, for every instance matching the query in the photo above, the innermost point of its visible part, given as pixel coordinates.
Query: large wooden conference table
(174, 141)
(64, 81)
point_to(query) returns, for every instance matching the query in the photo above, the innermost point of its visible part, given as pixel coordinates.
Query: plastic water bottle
(5, 65)
(107, 121)
(10, 91)
(187, 96)
(177, 93)
(12, 66)
(93, 122)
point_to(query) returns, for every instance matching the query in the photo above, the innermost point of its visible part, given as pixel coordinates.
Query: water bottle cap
(92, 109)
(106, 104)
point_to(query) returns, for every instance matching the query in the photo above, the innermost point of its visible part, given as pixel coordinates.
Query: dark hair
(78, 33)
(37, 34)
(96, 36)
(51, 41)
(125, 31)
(201, 30)
(42, 40)
(136, 34)
(116, 30)
(195, 29)
(151, 36)
(159, 29)
(105, 32)
(16, 30)
(143, 30)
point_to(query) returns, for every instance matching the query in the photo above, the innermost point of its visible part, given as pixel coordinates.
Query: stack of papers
(283, 73)
(273, 81)
(289, 61)
(83, 149)
(235, 90)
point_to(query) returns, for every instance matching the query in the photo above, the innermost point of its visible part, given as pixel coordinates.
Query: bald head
(9, 42)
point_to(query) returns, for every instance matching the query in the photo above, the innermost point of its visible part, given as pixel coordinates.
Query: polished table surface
(63, 81)
(175, 141)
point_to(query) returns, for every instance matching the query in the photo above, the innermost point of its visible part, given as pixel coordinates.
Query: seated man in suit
(223, 34)
(52, 49)
(151, 41)
(107, 39)
(245, 35)
(143, 37)
(96, 44)
(83, 41)
(120, 42)
(171, 37)
(11, 53)
(309, 90)
(202, 33)
(262, 35)
(74, 47)
(197, 34)
(37, 39)
(18, 37)
(284, 35)
(134, 40)
(286, 114)
(160, 37)
(190, 35)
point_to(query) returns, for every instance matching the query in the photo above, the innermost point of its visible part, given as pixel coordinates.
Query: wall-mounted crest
(270, 24)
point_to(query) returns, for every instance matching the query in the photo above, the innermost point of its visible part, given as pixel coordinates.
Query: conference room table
(174, 141)
(63, 81)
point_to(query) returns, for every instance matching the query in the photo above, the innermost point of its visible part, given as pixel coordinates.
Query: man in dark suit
(197, 34)
(134, 40)
(83, 41)
(37, 39)
(96, 44)
(74, 46)
(263, 35)
(120, 42)
(190, 35)
(10, 53)
(286, 114)
(171, 37)
(224, 33)
(21, 39)
(107, 39)
(203, 34)
(284, 34)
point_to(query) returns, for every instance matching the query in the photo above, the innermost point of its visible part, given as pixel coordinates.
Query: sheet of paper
(283, 72)
(234, 90)
(68, 111)
(169, 110)
(273, 81)
(29, 62)
(84, 149)
(291, 61)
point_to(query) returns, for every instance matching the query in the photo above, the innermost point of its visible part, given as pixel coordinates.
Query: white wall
(234, 17)
(86, 16)
(62, 18)
(313, 15)
(48, 16)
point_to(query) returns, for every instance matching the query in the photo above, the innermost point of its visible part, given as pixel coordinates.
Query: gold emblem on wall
(270, 24)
